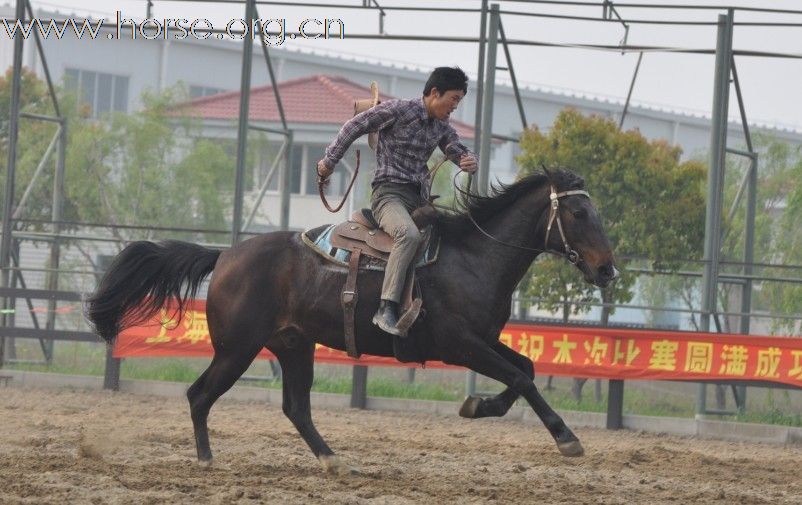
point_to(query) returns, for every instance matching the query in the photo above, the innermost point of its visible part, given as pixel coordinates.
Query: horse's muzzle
(605, 275)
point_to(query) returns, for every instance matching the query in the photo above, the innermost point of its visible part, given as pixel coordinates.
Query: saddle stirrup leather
(348, 299)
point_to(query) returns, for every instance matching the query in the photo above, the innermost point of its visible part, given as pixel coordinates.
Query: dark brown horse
(273, 291)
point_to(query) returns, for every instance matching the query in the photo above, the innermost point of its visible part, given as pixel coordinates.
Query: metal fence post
(111, 377)
(715, 178)
(8, 203)
(242, 126)
(487, 102)
(470, 383)
(285, 180)
(480, 84)
(615, 405)
(359, 387)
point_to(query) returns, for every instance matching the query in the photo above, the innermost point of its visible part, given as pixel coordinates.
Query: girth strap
(348, 299)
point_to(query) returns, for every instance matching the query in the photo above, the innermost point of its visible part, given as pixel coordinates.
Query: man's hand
(468, 163)
(323, 171)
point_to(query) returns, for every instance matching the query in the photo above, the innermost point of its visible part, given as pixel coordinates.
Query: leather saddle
(362, 231)
(361, 235)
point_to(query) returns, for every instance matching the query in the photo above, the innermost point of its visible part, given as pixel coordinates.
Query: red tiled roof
(316, 99)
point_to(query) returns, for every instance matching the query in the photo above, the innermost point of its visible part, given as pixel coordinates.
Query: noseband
(554, 215)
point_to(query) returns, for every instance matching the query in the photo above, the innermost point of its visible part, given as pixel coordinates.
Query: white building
(111, 74)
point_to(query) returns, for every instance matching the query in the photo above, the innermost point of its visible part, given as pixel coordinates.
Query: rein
(321, 185)
(432, 173)
(570, 254)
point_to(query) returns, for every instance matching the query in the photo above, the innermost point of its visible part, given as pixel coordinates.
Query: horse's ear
(548, 173)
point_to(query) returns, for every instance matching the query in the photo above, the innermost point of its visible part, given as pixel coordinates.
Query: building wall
(154, 64)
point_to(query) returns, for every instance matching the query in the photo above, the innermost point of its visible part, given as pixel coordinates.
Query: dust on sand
(100, 447)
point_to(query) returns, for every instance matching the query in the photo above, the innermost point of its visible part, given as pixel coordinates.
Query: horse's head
(574, 228)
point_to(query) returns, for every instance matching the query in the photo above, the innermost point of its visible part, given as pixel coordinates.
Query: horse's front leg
(297, 369)
(475, 407)
(475, 354)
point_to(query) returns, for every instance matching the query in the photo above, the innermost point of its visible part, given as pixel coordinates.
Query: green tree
(150, 168)
(778, 233)
(651, 204)
(33, 139)
(775, 236)
(146, 168)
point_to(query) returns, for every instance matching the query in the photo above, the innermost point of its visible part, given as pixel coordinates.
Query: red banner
(555, 350)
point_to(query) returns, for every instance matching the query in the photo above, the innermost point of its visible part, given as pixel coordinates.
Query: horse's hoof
(571, 449)
(205, 463)
(333, 465)
(469, 407)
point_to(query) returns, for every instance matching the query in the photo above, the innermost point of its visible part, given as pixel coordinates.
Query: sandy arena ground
(97, 447)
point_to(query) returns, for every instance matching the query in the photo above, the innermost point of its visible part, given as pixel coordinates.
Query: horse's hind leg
(496, 406)
(297, 369)
(222, 373)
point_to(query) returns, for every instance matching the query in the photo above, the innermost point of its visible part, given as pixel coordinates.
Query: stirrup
(409, 317)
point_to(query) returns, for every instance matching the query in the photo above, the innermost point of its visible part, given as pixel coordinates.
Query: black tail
(142, 278)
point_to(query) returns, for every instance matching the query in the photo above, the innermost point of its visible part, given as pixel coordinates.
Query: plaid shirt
(407, 138)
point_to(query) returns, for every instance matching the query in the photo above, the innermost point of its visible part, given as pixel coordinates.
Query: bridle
(554, 216)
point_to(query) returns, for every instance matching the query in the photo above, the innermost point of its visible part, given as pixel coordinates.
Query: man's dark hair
(445, 79)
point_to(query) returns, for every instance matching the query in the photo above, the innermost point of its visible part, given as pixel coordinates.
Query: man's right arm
(374, 119)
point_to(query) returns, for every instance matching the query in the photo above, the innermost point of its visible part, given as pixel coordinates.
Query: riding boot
(386, 318)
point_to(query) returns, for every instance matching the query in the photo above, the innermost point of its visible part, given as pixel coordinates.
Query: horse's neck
(521, 224)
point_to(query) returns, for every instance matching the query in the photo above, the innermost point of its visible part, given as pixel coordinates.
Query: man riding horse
(408, 132)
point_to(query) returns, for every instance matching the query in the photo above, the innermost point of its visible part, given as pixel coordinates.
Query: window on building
(303, 177)
(104, 93)
(121, 94)
(516, 149)
(315, 153)
(267, 156)
(296, 174)
(100, 92)
(199, 91)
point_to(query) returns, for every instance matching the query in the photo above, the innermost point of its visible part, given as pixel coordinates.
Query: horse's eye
(580, 214)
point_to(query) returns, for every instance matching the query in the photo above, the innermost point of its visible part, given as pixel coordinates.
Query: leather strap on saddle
(348, 299)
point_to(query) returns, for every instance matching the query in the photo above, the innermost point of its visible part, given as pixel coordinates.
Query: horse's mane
(482, 208)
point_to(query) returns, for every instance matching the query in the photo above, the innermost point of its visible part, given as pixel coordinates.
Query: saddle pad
(319, 239)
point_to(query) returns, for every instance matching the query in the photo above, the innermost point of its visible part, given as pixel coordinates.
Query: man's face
(441, 105)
